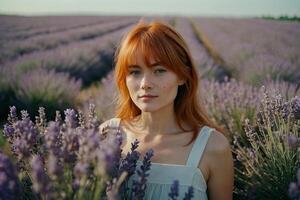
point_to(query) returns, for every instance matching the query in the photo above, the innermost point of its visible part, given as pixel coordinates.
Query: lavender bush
(39, 87)
(74, 158)
(231, 102)
(266, 166)
(104, 96)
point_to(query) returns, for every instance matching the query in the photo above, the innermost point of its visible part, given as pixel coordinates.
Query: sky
(152, 7)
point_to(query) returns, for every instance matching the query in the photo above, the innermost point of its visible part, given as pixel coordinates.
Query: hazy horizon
(232, 8)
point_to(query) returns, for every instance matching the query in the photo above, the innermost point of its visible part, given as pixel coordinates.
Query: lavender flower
(54, 167)
(58, 117)
(129, 163)
(53, 138)
(12, 117)
(139, 186)
(295, 105)
(69, 146)
(174, 193)
(41, 182)
(9, 183)
(93, 121)
(111, 153)
(40, 120)
(71, 118)
(24, 136)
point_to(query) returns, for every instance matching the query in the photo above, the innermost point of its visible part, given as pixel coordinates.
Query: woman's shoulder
(220, 163)
(218, 147)
(217, 142)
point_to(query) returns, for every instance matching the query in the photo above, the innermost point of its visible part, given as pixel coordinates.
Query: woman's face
(158, 83)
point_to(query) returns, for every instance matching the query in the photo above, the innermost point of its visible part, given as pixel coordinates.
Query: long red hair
(163, 43)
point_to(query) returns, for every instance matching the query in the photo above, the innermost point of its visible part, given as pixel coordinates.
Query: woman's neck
(161, 122)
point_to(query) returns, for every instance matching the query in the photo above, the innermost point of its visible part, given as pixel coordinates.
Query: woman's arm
(221, 170)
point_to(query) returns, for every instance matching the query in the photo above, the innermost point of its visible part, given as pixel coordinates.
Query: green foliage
(267, 165)
(2, 139)
(282, 18)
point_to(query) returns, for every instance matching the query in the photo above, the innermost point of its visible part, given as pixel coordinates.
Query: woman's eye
(134, 72)
(159, 71)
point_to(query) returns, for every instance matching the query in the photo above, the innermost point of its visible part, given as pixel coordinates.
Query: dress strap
(114, 122)
(199, 146)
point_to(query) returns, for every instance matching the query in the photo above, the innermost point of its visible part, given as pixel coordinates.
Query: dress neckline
(155, 165)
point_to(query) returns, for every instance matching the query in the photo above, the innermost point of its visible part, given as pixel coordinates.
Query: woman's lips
(147, 97)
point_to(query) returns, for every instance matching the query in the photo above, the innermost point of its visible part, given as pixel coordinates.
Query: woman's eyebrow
(137, 66)
(133, 66)
(155, 64)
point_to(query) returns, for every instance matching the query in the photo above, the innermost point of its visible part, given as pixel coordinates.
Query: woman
(158, 105)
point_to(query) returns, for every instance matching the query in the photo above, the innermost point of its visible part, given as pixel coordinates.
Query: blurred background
(59, 55)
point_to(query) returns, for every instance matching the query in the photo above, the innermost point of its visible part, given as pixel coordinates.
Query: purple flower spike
(139, 186)
(53, 137)
(8, 130)
(174, 193)
(12, 117)
(129, 163)
(71, 118)
(295, 104)
(9, 182)
(41, 182)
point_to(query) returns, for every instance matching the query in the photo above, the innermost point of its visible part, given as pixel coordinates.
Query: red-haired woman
(158, 105)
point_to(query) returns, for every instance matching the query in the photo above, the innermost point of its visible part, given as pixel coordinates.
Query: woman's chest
(166, 150)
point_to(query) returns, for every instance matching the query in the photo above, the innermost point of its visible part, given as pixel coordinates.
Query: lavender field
(250, 85)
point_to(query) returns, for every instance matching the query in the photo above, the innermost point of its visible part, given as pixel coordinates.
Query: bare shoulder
(217, 149)
(221, 168)
(217, 143)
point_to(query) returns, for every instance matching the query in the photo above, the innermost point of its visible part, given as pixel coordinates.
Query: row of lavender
(208, 66)
(19, 28)
(262, 124)
(255, 49)
(53, 77)
(12, 49)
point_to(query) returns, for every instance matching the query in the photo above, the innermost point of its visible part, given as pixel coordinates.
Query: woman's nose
(146, 82)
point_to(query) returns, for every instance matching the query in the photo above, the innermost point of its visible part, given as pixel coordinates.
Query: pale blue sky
(148, 7)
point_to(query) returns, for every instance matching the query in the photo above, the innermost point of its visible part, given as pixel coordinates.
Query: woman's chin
(148, 109)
